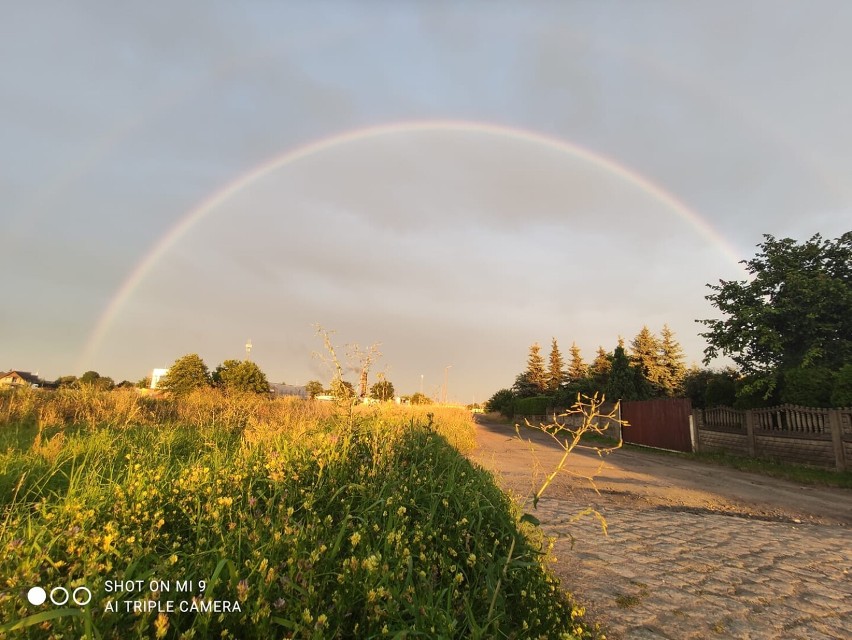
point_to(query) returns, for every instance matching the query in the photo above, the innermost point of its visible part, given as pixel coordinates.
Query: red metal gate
(661, 423)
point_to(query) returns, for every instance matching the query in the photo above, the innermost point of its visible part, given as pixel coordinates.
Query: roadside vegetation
(316, 522)
(799, 473)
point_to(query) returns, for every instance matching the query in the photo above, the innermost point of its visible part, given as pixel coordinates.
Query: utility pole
(248, 350)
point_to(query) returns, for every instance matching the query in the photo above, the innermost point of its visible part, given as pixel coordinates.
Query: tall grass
(315, 524)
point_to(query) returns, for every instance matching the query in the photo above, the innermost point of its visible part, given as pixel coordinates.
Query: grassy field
(287, 518)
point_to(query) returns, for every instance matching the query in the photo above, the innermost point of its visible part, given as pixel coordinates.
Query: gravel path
(693, 550)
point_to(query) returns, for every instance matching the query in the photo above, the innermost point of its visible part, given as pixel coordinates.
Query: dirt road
(694, 550)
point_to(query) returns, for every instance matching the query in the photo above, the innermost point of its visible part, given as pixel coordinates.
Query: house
(19, 379)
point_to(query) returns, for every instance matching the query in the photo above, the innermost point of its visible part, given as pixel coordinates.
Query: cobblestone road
(679, 575)
(683, 571)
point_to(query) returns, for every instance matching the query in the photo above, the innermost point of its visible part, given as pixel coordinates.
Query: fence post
(837, 439)
(749, 425)
(695, 424)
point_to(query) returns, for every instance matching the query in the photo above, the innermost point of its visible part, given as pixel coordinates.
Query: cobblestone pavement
(669, 574)
(683, 571)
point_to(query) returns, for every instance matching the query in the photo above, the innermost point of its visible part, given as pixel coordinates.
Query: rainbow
(195, 215)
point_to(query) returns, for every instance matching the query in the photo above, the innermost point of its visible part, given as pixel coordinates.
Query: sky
(452, 181)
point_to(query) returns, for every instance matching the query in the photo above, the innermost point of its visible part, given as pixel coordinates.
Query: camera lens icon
(60, 596)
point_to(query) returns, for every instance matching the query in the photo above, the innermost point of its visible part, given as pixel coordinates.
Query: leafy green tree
(536, 376)
(523, 387)
(187, 373)
(501, 401)
(144, 383)
(794, 311)
(419, 398)
(577, 369)
(90, 377)
(241, 375)
(382, 390)
(671, 363)
(645, 357)
(314, 388)
(556, 370)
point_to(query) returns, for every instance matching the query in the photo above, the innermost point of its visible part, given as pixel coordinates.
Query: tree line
(652, 367)
(787, 328)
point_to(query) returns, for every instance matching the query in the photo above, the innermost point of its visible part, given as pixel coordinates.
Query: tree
(90, 377)
(577, 369)
(625, 381)
(419, 398)
(601, 366)
(556, 371)
(645, 356)
(795, 311)
(382, 390)
(241, 375)
(187, 373)
(144, 383)
(671, 363)
(314, 388)
(535, 373)
(501, 401)
(66, 382)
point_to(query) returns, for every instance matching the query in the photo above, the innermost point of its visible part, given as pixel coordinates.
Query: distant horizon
(453, 182)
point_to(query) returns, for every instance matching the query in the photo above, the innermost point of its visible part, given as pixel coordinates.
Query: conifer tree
(671, 360)
(536, 376)
(621, 384)
(601, 366)
(645, 356)
(556, 372)
(577, 369)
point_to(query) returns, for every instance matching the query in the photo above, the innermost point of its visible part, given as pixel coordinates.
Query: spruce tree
(577, 369)
(621, 384)
(601, 366)
(536, 376)
(671, 360)
(556, 372)
(645, 356)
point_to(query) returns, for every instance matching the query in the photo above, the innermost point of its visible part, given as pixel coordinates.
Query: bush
(535, 406)
(809, 387)
(502, 402)
(721, 391)
(841, 394)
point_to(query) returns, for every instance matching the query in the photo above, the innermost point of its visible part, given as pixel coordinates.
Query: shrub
(502, 402)
(841, 394)
(807, 386)
(535, 406)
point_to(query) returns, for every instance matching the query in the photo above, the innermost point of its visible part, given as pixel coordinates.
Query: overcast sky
(572, 170)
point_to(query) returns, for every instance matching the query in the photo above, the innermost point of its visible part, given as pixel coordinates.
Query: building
(19, 379)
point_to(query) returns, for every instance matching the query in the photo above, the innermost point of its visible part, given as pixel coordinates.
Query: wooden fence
(790, 433)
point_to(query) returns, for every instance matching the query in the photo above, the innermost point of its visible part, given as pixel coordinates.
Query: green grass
(315, 525)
